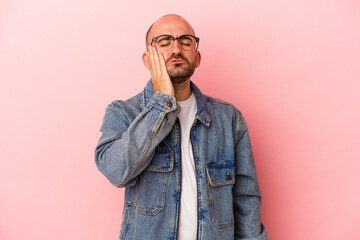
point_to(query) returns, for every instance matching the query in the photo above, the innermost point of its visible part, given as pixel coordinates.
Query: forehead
(173, 26)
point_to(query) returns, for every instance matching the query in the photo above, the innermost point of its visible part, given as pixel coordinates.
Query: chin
(178, 80)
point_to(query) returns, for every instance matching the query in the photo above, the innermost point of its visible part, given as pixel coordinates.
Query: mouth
(176, 61)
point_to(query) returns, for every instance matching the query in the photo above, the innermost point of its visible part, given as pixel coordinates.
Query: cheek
(190, 58)
(193, 61)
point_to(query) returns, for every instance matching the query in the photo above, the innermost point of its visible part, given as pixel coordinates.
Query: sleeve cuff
(163, 102)
(262, 236)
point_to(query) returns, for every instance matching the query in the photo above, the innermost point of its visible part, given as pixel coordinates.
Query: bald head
(181, 57)
(166, 25)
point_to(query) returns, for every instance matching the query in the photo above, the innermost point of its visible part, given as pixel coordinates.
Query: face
(180, 64)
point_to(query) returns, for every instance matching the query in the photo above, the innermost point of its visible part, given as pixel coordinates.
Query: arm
(246, 191)
(127, 145)
(126, 148)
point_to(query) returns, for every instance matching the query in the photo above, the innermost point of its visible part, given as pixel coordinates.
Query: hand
(160, 78)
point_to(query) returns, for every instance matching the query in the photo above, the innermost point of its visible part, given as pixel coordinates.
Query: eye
(164, 41)
(186, 41)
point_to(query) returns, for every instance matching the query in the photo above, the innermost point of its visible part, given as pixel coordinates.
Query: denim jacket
(140, 150)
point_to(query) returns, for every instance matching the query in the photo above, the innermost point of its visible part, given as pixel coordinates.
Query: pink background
(291, 67)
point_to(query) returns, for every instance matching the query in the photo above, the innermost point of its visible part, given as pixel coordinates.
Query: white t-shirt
(188, 219)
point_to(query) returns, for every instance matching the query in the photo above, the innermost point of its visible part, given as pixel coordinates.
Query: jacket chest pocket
(221, 177)
(152, 183)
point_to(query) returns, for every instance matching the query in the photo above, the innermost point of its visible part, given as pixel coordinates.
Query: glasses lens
(187, 42)
(164, 42)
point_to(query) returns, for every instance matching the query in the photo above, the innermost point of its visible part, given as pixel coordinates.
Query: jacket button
(228, 176)
(169, 104)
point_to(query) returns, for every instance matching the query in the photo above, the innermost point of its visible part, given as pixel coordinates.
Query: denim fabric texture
(140, 150)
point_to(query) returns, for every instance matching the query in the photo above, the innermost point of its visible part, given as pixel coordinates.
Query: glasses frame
(174, 38)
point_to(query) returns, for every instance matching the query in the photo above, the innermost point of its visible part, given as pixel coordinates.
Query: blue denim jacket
(140, 149)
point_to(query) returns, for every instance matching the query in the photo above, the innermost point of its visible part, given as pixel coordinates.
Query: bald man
(184, 158)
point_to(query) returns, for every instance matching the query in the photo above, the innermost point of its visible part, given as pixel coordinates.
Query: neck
(182, 90)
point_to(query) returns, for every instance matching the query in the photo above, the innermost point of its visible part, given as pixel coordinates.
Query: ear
(197, 58)
(145, 59)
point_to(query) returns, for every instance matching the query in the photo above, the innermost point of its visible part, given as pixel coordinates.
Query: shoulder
(126, 110)
(134, 101)
(131, 105)
(225, 112)
(221, 105)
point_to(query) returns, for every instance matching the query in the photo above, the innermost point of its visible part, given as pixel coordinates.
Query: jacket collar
(202, 113)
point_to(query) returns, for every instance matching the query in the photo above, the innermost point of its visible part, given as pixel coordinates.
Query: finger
(162, 62)
(156, 60)
(152, 65)
(148, 55)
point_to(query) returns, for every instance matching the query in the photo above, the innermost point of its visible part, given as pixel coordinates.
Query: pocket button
(228, 176)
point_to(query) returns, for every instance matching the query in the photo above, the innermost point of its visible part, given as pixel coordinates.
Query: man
(184, 158)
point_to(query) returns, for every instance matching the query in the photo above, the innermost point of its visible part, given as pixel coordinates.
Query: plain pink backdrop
(291, 67)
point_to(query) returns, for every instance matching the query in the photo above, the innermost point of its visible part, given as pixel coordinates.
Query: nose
(176, 47)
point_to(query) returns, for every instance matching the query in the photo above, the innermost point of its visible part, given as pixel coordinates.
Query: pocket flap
(220, 173)
(163, 161)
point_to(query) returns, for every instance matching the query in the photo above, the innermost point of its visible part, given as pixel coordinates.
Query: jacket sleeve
(246, 191)
(127, 143)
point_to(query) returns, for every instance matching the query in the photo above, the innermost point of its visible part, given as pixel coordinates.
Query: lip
(176, 61)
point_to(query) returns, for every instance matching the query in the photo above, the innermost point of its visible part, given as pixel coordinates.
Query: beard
(181, 72)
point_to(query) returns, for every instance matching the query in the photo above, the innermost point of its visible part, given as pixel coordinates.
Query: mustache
(177, 57)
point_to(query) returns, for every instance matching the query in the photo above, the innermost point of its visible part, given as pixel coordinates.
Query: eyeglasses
(186, 42)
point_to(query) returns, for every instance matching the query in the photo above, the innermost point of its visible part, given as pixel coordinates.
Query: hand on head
(159, 75)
